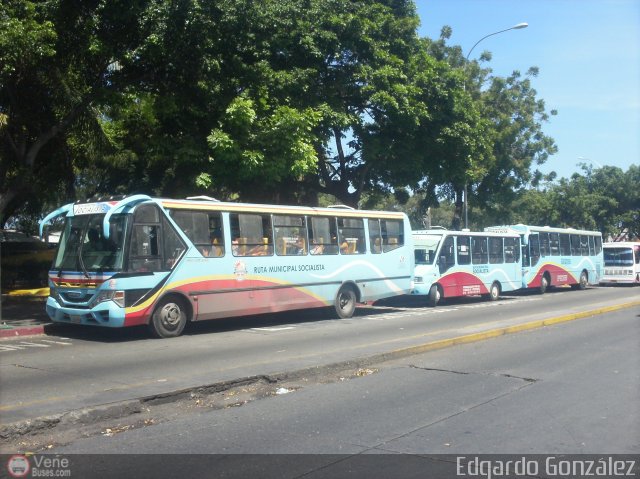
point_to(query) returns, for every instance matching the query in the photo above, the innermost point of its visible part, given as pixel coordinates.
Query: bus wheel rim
(171, 315)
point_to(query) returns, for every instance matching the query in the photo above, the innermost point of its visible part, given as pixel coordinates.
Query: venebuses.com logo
(19, 465)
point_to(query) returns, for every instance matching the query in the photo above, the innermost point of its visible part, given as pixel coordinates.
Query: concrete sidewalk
(22, 313)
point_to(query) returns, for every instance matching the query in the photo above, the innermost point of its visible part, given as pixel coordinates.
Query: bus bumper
(107, 314)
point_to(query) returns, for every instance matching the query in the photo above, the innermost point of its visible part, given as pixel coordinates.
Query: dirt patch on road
(43, 434)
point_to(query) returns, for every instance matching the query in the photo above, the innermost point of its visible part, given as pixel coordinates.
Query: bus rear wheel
(582, 282)
(544, 284)
(345, 302)
(494, 292)
(434, 296)
(169, 318)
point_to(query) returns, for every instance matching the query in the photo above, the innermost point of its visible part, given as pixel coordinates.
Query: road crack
(452, 371)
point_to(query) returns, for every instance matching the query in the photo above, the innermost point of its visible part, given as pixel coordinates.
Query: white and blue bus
(621, 263)
(164, 262)
(557, 256)
(451, 264)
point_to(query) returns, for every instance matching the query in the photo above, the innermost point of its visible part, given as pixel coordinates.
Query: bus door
(446, 261)
(155, 245)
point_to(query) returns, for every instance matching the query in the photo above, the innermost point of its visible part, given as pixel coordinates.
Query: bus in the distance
(164, 262)
(557, 256)
(451, 264)
(621, 263)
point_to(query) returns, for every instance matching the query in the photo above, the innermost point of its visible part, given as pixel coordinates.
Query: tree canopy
(273, 101)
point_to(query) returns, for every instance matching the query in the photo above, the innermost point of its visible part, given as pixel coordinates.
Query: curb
(13, 331)
(127, 407)
(39, 292)
(494, 333)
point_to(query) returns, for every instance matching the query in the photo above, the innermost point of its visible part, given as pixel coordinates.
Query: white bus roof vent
(203, 198)
(341, 207)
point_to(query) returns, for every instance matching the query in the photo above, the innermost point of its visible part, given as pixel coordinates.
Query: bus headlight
(109, 295)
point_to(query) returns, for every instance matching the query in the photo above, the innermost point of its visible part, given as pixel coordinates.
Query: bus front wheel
(434, 296)
(169, 318)
(345, 303)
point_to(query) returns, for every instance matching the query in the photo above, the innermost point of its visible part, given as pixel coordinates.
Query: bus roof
(621, 244)
(209, 204)
(444, 232)
(278, 209)
(520, 228)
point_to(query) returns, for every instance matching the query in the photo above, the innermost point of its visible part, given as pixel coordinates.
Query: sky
(588, 53)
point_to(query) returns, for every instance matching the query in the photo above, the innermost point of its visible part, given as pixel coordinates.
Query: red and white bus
(451, 264)
(557, 256)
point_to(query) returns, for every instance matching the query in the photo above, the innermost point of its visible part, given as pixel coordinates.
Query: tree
(59, 60)
(494, 136)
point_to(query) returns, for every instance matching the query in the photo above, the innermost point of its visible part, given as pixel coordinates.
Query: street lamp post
(515, 27)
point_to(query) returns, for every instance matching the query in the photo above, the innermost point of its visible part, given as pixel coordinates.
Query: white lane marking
(10, 348)
(272, 329)
(35, 345)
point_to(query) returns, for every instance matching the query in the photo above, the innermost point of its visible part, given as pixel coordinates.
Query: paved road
(570, 388)
(88, 367)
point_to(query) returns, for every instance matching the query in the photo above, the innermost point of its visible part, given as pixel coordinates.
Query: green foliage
(279, 101)
(604, 199)
(253, 151)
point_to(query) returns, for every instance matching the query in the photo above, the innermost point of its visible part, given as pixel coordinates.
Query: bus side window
(598, 241)
(323, 235)
(554, 244)
(544, 244)
(216, 235)
(584, 245)
(511, 250)
(565, 244)
(447, 255)
(351, 235)
(479, 250)
(496, 250)
(290, 235)
(463, 250)
(252, 234)
(575, 245)
(392, 234)
(375, 240)
(592, 246)
(534, 249)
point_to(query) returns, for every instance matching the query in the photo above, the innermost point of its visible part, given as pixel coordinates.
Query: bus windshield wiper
(80, 260)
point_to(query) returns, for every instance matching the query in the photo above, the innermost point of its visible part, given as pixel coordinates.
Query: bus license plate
(76, 319)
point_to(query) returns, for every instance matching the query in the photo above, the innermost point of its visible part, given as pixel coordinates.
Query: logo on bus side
(480, 269)
(240, 270)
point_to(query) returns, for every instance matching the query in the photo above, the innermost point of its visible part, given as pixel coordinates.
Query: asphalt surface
(563, 390)
(79, 368)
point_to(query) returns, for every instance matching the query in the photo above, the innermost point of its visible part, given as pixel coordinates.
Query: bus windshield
(618, 257)
(83, 246)
(426, 247)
